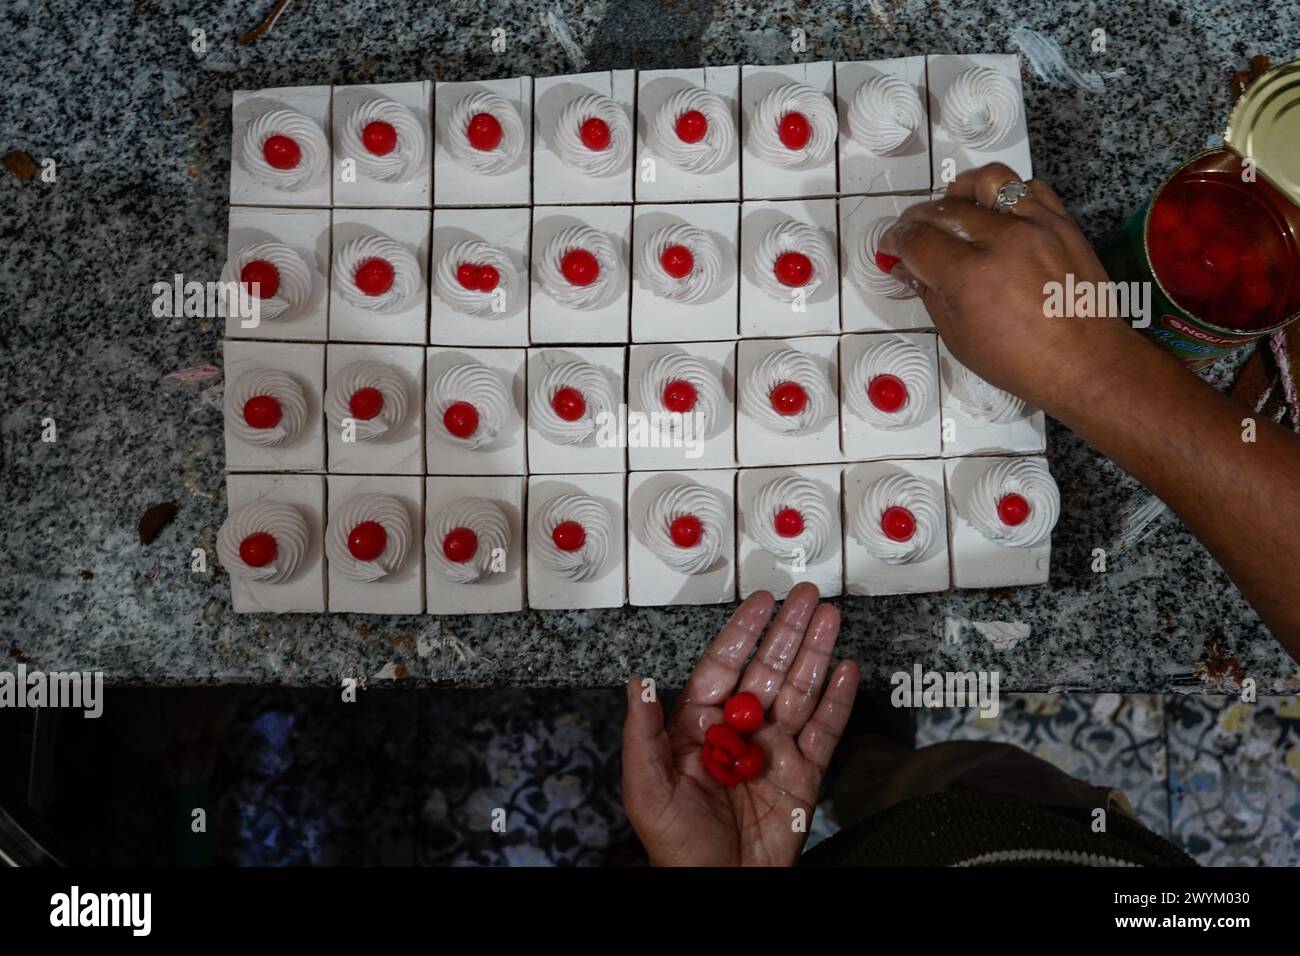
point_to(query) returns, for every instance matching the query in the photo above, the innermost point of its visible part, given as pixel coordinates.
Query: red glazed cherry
(887, 393)
(794, 130)
(580, 267)
(898, 523)
(459, 545)
(594, 133)
(488, 278)
(677, 261)
(258, 549)
(788, 398)
(460, 419)
(792, 269)
(749, 764)
(686, 531)
(788, 523)
(744, 712)
(1184, 240)
(282, 152)
(1013, 509)
(467, 275)
(569, 403)
(1204, 213)
(1255, 292)
(719, 767)
(1165, 217)
(262, 411)
(483, 131)
(691, 126)
(725, 741)
(569, 536)
(680, 396)
(374, 276)
(266, 275)
(885, 262)
(1220, 256)
(367, 540)
(379, 138)
(366, 403)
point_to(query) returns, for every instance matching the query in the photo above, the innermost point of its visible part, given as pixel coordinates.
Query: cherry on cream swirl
(474, 301)
(282, 387)
(904, 359)
(776, 368)
(388, 380)
(403, 161)
(772, 108)
(697, 283)
(884, 113)
(680, 367)
(596, 521)
(868, 276)
(1029, 478)
(980, 107)
(568, 140)
(686, 498)
(491, 532)
(488, 161)
(559, 288)
(300, 128)
(483, 388)
(803, 496)
(898, 491)
(709, 153)
(281, 521)
(406, 273)
(295, 278)
(385, 510)
(596, 392)
(980, 402)
(793, 236)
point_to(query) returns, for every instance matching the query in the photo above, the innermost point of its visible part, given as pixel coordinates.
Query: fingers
(798, 695)
(765, 674)
(647, 752)
(716, 674)
(1046, 195)
(820, 735)
(928, 253)
(981, 186)
(961, 218)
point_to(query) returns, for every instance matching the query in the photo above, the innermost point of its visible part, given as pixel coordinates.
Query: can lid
(1265, 127)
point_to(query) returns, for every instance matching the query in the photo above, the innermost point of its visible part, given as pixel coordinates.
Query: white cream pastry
(570, 536)
(487, 396)
(312, 149)
(1007, 522)
(615, 132)
(368, 537)
(774, 109)
(508, 131)
(884, 113)
(792, 238)
(375, 396)
(676, 383)
(980, 107)
(663, 252)
(979, 402)
(792, 520)
(892, 383)
(468, 540)
(867, 274)
(371, 250)
(681, 142)
(684, 527)
(890, 535)
(570, 401)
(266, 407)
(787, 392)
(576, 240)
(484, 289)
(243, 538)
(292, 278)
(365, 139)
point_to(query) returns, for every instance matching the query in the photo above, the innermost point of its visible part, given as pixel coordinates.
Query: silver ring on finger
(1012, 191)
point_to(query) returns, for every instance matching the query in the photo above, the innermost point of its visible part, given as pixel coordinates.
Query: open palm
(682, 815)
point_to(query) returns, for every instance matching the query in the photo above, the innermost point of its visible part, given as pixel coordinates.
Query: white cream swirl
(679, 501)
(282, 387)
(480, 386)
(713, 150)
(884, 114)
(980, 402)
(701, 375)
(905, 360)
(764, 136)
(474, 301)
(868, 276)
(403, 161)
(1029, 478)
(406, 273)
(281, 521)
(568, 140)
(793, 236)
(390, 381)
(776, 368)
(592, 383)
(587, 561)
(295, 278)
(489, 161)
(705, 270)
(491, 534)
(803, 496)
(390, 514)
(898, 491)
(314, 149)
(980, 107)
(559, 288)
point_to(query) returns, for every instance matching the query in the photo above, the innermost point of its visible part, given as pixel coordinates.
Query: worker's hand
(981, 275)
(682, 815)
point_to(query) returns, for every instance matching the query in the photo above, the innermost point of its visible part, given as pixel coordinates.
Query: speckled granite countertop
(139, 127)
